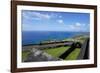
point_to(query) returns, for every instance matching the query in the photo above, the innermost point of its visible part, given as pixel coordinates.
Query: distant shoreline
(47, 43)
(53, 42)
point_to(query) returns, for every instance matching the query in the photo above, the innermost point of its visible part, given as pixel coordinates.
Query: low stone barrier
(84, 53)
(43, 46)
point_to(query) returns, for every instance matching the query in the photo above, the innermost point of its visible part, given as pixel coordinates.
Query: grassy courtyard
(73, 55)
(56, 52)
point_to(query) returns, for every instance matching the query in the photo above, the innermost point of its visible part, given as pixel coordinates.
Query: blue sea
(35, 37)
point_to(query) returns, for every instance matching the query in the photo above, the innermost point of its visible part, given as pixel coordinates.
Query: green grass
(73, 55)
(25, 54)
(56, 52)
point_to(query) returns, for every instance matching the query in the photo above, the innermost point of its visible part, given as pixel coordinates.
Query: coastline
(39, 37)
(51, 46)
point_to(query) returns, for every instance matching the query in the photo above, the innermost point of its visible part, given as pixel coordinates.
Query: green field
(25, 54)
(56, 52)
(73, 55)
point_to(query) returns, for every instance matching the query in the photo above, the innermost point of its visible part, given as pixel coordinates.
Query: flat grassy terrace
(56, 52)
(73, 55)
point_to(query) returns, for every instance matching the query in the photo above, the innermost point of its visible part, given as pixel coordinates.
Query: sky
(55, 21)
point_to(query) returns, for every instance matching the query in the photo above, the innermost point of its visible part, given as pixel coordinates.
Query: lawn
(25, 54)
(73, 55)
(56, 52)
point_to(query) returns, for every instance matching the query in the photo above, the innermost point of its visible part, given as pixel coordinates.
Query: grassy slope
(73, 55)
(56, 52)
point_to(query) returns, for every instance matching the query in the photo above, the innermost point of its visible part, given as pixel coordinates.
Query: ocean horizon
(35, 37)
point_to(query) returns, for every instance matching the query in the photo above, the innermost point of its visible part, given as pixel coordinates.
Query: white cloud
(78, 27)
(77, 24)
(41, 15)
(60, 16)
(60, 21)
(36, 15)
